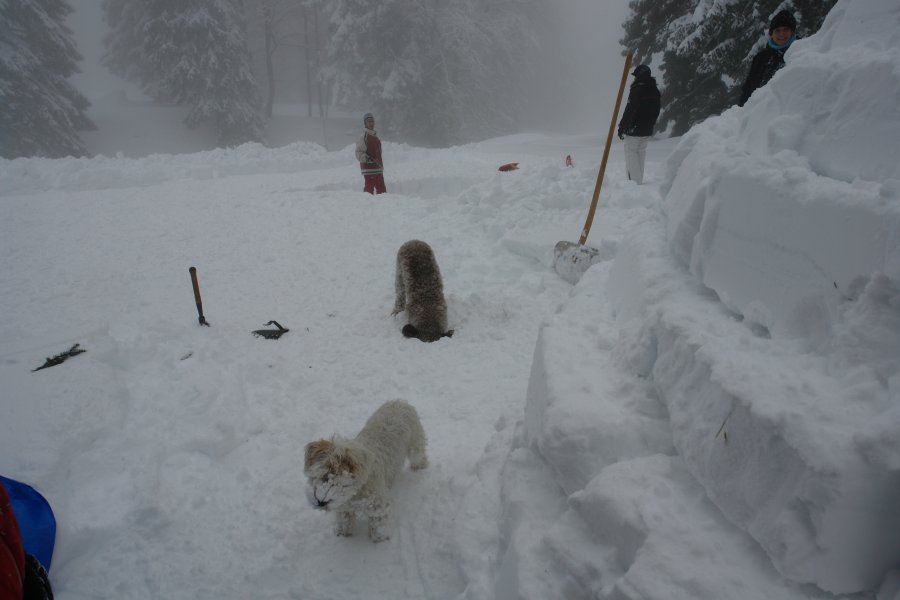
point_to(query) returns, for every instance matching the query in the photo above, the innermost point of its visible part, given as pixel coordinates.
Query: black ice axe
(271, 334)
(572, 260)
(196, 285)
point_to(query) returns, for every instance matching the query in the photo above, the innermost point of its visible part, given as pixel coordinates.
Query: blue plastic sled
(37, 525)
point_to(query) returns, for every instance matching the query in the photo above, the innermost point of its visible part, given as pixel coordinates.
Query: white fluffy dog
(420, 292)
(355, 476)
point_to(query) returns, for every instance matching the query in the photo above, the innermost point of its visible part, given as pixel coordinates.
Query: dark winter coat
(642, 109)
(763, 67)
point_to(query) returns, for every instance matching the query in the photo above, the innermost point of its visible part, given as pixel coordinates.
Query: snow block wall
(597, 500)
(758, 315)
(789, 211)
(780, 443)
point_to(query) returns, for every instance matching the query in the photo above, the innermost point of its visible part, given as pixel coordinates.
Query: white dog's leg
(418, 459)
(379, 517)
(344, 523)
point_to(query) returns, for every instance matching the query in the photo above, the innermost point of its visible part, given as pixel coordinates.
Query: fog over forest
(574, 81)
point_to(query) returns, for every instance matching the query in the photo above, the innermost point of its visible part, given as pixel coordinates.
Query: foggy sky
(589, 44)
(577, 84)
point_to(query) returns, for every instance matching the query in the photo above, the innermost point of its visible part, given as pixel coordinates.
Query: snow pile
(800, 190)
(772, 368)
(36, 174)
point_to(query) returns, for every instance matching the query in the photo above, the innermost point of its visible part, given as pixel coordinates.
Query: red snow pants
(374, 183)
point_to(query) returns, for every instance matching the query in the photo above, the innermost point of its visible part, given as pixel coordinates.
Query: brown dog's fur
(420, 292)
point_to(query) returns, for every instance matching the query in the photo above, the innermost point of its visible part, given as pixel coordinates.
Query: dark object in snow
(193, 271)
(271, 334)
(61, 358)
(509, 167)
(34, 516)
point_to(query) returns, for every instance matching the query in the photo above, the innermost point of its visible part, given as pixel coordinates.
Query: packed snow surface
(709, 413)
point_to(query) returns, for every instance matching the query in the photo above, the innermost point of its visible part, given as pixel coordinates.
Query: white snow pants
(635, 154)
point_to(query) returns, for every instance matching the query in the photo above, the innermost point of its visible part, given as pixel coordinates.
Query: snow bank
(100, 172)
(775, 352)
(788, 210)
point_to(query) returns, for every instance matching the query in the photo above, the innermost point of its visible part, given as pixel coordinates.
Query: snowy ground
(709, 413)
(170, 473)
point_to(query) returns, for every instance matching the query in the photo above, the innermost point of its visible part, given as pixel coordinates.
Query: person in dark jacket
(782, 33)
(368, 153)
(638, 121)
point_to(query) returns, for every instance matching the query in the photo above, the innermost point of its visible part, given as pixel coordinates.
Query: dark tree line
(704, 57)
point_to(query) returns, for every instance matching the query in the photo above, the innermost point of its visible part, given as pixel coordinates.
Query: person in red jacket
(21, 575)
(12, 554)
(368, 153)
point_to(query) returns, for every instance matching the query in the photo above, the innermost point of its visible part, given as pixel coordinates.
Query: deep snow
(709, 413)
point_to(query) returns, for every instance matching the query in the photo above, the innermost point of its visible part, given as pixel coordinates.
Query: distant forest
(437, 72)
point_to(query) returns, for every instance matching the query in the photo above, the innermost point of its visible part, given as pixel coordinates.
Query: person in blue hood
(782, 33)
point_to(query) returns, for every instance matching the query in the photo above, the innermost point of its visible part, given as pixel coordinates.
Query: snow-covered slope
(761, 307)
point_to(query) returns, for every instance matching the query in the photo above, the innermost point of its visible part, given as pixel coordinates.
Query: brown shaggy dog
(420, 292)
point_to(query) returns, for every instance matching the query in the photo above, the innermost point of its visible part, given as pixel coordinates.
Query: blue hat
(368, 116)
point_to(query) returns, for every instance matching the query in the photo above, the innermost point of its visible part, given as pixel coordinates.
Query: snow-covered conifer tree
(706, 47)
(434, 72)
(192, 53)
(42, 112)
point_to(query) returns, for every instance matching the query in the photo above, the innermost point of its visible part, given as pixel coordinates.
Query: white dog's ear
(349, 460)
(316, 451)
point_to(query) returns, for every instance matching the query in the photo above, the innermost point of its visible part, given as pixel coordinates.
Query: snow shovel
(572, 260)
(193, 271)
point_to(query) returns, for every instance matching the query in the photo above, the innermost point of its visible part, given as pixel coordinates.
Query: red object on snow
(509, 167)
(12, 554)
(569, 160)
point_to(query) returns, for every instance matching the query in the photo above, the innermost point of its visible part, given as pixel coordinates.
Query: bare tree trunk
(323, 106)
(308, 63)
(269, 29)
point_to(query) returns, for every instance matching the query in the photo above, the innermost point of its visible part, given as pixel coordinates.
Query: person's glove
(621, 135)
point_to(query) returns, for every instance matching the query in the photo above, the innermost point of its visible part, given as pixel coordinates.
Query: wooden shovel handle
(202, 319)
(196, 285)
(612, 127)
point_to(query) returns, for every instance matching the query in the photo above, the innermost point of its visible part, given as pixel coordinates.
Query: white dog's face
(334, 474)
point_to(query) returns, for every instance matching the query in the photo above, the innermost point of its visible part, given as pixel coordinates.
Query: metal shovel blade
(571, 260)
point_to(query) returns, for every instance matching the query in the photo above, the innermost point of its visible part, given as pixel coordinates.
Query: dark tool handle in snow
(196, 285)
(61, 358)
(612, 127)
